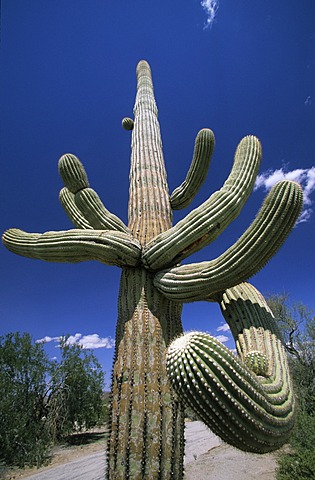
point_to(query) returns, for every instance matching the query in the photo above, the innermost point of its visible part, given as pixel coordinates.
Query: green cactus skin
(106, 246)
(257, 362)
(249, 408)
(86, 200)
(127, 123)
(205, 223)
(72, 173)
(147, 423)
(183, 195)
(92, 208)
(146, 427)
(67, 200)
(146, 430)
(246, 257)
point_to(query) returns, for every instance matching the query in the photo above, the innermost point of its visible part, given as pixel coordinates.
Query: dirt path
(206, 458)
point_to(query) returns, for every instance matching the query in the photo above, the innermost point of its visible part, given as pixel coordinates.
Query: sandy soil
(206, 457)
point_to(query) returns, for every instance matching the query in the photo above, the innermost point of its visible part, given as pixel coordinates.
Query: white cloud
(223, 328)
(304, 176)
(210, 7)
(72, 339)
(47, 339)
(92, 341)
(308, 101)
(221, 338)
(95, 341)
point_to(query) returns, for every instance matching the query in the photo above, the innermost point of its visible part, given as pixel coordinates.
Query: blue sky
(68, 79)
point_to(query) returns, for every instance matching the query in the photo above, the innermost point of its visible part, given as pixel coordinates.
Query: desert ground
(206, 458)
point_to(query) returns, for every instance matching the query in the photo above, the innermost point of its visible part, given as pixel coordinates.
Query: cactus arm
(91, 206)
(228, 397)
(74, 213)
(274, 221)
(248, 314)
(109, 247)
(183, 195)
(72, 173)
(249, 404)
(204, 224)
(86, 199)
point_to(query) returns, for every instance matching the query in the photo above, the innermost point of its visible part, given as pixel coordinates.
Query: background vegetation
(42, 401)
(298, 329)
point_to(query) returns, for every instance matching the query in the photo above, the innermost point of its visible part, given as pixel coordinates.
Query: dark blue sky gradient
(67, 80)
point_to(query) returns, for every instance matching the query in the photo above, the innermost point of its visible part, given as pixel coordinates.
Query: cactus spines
(185, 193)
(229, 396)
(257, 362)
(248, 401)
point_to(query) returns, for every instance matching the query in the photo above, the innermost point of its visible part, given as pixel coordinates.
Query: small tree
(297, 324)
(76, 388)
(24, 438)
(298, 329)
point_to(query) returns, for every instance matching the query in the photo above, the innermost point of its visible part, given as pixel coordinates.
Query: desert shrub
(299, 465)
(24, 437)
(42, 401)
(76, 398)
(298, 328)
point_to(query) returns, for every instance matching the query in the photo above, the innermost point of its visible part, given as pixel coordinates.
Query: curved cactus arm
(72, 173)
(183, 195)
(204, 224)
(249, 317)
(86, 199)
(264, 237)
(247, 401)
(227, 396)
(109, 247)
(74, 213)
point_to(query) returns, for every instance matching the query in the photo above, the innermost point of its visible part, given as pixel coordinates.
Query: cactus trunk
(146, 430)
(147, 425)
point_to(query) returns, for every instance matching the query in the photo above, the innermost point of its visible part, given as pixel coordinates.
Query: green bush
(299, 465)
(24, 438)
(304, 434)
(42, 401)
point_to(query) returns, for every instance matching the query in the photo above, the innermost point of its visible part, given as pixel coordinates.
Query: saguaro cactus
(248, 401)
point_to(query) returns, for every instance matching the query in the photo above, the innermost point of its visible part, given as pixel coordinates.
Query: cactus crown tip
(142, 66)
(183, 341)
